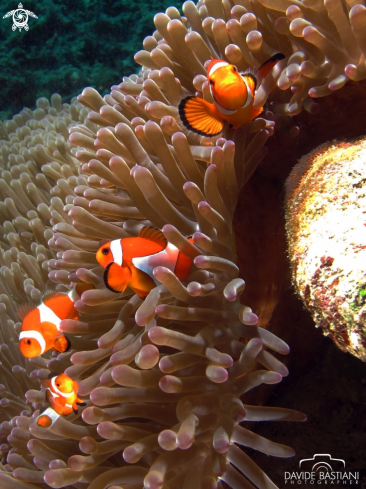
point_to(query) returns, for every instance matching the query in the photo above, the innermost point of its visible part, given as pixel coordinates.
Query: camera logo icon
(322, 462)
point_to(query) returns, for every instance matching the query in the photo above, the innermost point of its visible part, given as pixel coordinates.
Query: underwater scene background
(70, 46)
(73, 45)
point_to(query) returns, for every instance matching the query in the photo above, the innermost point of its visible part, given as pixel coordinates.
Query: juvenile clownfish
(233, 96)
(61, 395)
(40, 329)
(131, 261)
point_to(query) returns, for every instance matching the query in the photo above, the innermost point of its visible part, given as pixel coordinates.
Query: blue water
(71, 45)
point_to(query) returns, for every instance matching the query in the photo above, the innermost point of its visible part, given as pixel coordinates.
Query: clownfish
(40, 329)
(131, 261)
(61, 395)
(233, 98)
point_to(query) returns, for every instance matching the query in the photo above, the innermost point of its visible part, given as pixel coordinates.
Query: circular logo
(20, 18)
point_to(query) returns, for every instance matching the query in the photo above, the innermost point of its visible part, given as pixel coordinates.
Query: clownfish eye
(235, 69)
(58, 385)
(105, 251)
(212, 82)
(28, 342)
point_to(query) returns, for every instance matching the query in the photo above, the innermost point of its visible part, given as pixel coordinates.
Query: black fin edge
(275, 57)
(185, 122)
(252, 76)
(68, 343)
(105, 278)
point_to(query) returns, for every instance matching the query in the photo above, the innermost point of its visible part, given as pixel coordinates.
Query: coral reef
(166, 380)
(326, 234)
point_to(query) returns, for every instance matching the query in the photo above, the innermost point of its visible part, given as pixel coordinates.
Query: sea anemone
(173, 354)
(164, 378)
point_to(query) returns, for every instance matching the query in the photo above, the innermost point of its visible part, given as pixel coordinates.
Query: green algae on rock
(326, 228)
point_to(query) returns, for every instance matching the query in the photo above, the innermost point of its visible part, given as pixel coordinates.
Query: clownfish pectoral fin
(116, 278)
(200, 117)
(62, 344)
(153, 234)
(266, 67)
(24, 309)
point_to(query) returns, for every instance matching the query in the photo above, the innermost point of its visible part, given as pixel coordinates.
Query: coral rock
(325, 215)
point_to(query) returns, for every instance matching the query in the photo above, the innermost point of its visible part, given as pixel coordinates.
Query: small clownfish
(61, 395)
(131, 261)
(233, 96)
(40, 329)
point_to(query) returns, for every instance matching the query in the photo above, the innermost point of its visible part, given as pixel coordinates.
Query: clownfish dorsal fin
(266, 67)
(153, 234)
(51, 294)
(24, 309)
(52, 374)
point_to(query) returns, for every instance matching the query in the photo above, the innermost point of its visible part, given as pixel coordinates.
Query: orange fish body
(61, 395)
(131, 261)
(233, 96)
(40, 329)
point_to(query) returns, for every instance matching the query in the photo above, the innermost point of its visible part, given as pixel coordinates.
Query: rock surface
(325, 214)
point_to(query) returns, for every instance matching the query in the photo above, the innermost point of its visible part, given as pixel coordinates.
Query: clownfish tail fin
(201, 117)
(82, 287)
(62, 344)
(44, 421)
(47, 417)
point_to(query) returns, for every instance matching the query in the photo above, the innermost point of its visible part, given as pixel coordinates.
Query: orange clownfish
(40, 330)
(61, 395)
(131, 261)
(233, 96)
